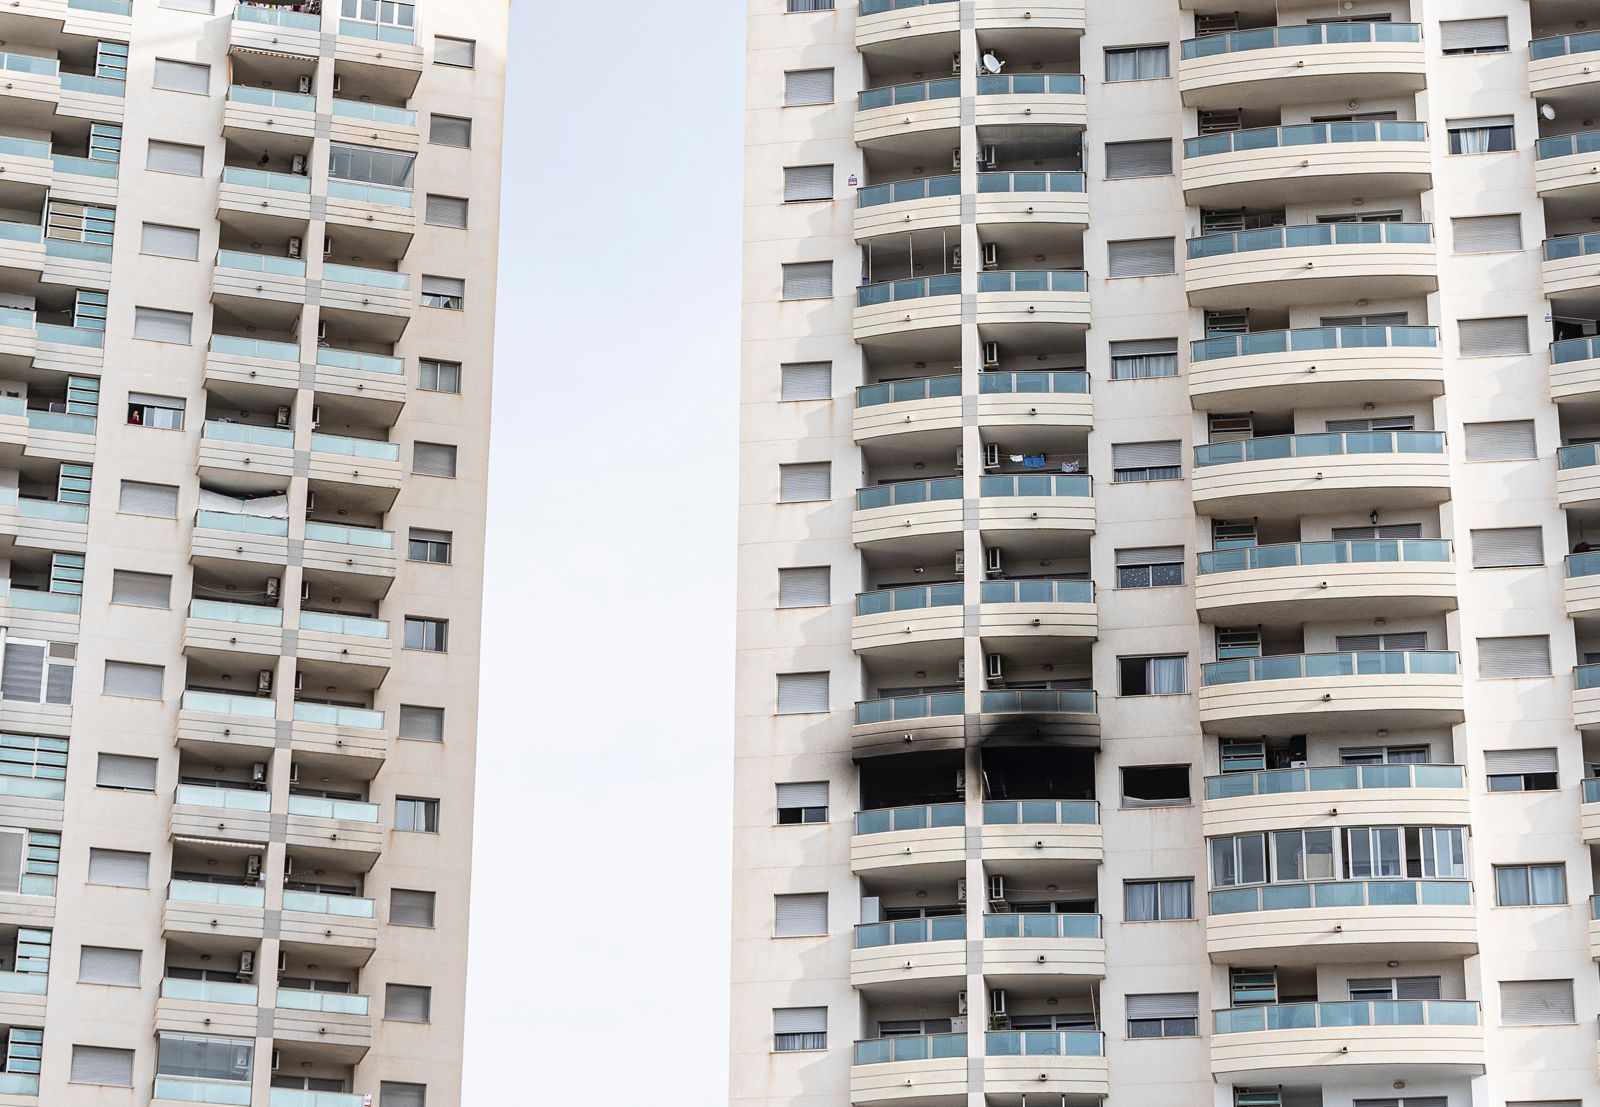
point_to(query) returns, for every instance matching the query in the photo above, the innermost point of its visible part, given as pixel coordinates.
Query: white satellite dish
(1547, 111)
(992, 63)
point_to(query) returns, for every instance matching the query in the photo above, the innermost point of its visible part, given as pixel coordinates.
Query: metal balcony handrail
(1305, 34)
(1297, 666)
(1278, 447)
(1358, 552)
(1325, 778)
(1309, 339)
(1304, 134)
(1306, 235)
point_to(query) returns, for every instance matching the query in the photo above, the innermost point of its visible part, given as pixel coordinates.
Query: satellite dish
(1547, 111)
(992, 63)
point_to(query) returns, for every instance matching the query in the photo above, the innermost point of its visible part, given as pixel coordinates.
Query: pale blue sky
(600, 907)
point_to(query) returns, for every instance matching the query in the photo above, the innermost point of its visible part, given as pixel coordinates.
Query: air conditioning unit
(288, 866)
(955, 64)
(283, 961)
(252, 866)
(305, 84)
(283, 415)
(327, 247)
(993, 668)
(1297, 764)
(955, 160)
(991, 455)
(316, 416)
(298, 680)
(989, 156)
(305, 594)
(258, 772)
(337, 83)
(311, 501)
(961, 458)
(297, 165)
(955, 257)
(961, 897)
(263, 682)
(295, 246)
(991, 255)
(961, 671)
(997, 894)
(277, 1060)
(961, 563)
(991, 352)
(961, 1003)
(997, 996)
(993, 562)
(247, 965)
(273, 586)
(961, 782)
(322, 329)
(294, 772)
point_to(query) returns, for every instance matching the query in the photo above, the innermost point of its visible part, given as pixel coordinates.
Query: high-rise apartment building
(247, 276)
(1169, 660)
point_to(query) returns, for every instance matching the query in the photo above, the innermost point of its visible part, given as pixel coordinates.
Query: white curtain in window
(1168, 675)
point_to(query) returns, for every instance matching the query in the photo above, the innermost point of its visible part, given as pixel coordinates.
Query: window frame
(414, 806)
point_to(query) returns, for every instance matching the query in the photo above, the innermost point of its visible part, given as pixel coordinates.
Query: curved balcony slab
(1571, 269)
(928, 205)
(909, 724)
(1048, 398)
(1563, 63)
(1282, 267)
(1064, 15)
(1036, 502)
(1020, 302)
(900, 408)
(1583, 585)
(1054, 609)
(1578, 476)
(1302, 64)
(898, 621)
(910, 953)
(906, 114)
(902, 837)
(1568, 167)
(1334, 795)
(1321, 472)
(1051, 1062)
(1315, 366)
(1018, 948)
(1308, 580)
(901, 308)
(1065, 716)
(1031, 99)
(1042, 830)
(1033, 199)
(912, 1071)
(1586, 697)
(1575, 370)
(879, 22)
(1310, 161)
(1340, 691)
(1330, 1050)
(908, 510)
(1590, 811)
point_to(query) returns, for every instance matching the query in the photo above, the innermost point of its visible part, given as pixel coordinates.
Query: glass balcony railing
(225, 895)
(377, 32)
(877, 7)
(30, 233)
(1043, 812)
(1310, 34)
(1575, 349)
(19, 1083)
(1578, 457)
(914, 92)
(365, 278)
(1312, 339)
(53, 511)
(322, 807)
(1036, 591)
(1284, 555)
(17, 319)
(923, 188)
(107, 7)
(28, 63)
(913, 598)
(224, 703)
(355, 626)
(1591, 790)
(1033, 280)
(1342, 893)
(242, 613)
(260, 178)
(1571, 246)
(241, 524)
(318, 903)
(1024, 84)
(183, 1089)
(209, 991)
(13, 407)
(1560, 46)
(229, 799)
(1307, 1016)
(899, 392)
(328, 1003)
(262, 348)
(1039, 925)
(1583, 565)
(23, 983)
(31, 148)
(898, 932)
(345, 446)
(32, 787)
(78, 251)
(1329, 778)
(374, 113)
(94, 86)
(75, 166)
(1330, 444)
(248, 435)
(333, 714)
(260, 263)
(366, 363)
(268, 98)
(1035, 484)
(367, 538)
(277, 17)
(1044, 1043)
(35, 599)
(901, 493)
(71, 336)
(930, 816)
(1308, 235)
(1562, 146)
(1036, 383)
(914, 288)
(910, 1047)
(1031, 181)
(1036, 701)
(363, 192)
(1300, 666)
(1303, 134)
(295, 1097)
(906, 708)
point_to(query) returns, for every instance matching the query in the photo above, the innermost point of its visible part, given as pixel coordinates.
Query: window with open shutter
(410, 907)
(421, 724)
(805, 481)
(1517, 656)
(1163, 1015)
(1519, 762)
(1474, 36)
(1140, 358)
(104, 965)
(447, 293)
(801, 915)
(119, 868)
(1140, 257)
(446, 211)
(1144, 158)
(407, 1003)
(138, 498)
(1139, 461)
(433, 459)
(802, 802)
(804, 587)
(795, 1028)
(157, 325)
(177, 76)
(13, 845)
(807, 380)
(124, 771)
(1536, 1002)
(461, 52)
(175, 157)
(807, 280)
(1487, 234)
(449, 130)
(393, 1093)
(1499, 337)
(164, 241)
(807, 182)
(1507, 547)
(1512, 440)
(134, 680)
(141, 589)
(802, 693)
(802, 87)
(102, 1065)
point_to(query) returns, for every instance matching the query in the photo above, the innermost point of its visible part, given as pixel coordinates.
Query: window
(1509, 441)
(421, 724)
(164, 241)
(1137, 63)
(371, 165)
(1521, 770)
(1490, 135)
(1530, 885)
(461, 52)
(104, 965)
(805, 482)
(1155, 786)
(1390, 989)
(807, 280)
(430, 545)
(141, 589)
(1153, 676)
(799, 1028)
(67, 221)
(807, 587)
(1536, 1002)
(1521, 656)
(807, 380)
(427, 634)
(1170, 1015)
(805, 87)
(801, 803)
(1139, 359)
(416, 815)
(1357, 853)
(450, 130)
(1132, 462)
(1487, 234)
(448, 293)
(1507, 547)
(800, 916)
(105, 142)
(99, 1065)
(1151, 157)
(111, 60)
(158, 325)
(1141, 257)
(807, 182)
(157, 500)
(175, 157)
(409, 907)
(177, 76)
(1157, 900)
(810, 5)
(119, 868)
(156, 412)
(126, 773)
(38, 672)
(1150, 567)
(1494, 337)
(207, 1057)
(1474, 36)
(133, 680)
(407, 1003)
(433, 459)
(446, 211)
(439, 376)
(393, 1093)
(802, 693)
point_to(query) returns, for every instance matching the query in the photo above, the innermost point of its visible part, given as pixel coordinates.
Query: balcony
(1042, 830)
(373, 206)
(316, 822)
(1269, 66)
(347, 640)
(276, 30)
(910, 951)
(1030, 503)
(22, 1000)
(237, 815)
(293, 1097)
(380, 44)
(918, 1069)
(259, 277)
(335, 730)
(1326, 795)
(253, 361)
(1281, 267)
(898, 113)
(883, 21)
(36, 81)
(337, 1022)
(263, 109)
(897, 838)
(1031, 99)
(1056, 1062)
(1048, 610)
(345, 922)
(172, 1091)
(897, 622)
(909, 723)
(1563, 63)
(231, 537)
(1022, 947)
(1575, 370)
(1594, 928)
(231, 450)
(1070, 716)
(1309, 161)
(378, 291)
(1586, 697)
(1578, 476)
(1327, 472)
(1319, 1042)
(220, 719)
(895, 308)
(913, 509)
(257, 192)
(1591, 811)
(378, 378)
(1046, 398)
(206, 1006)
(1065, 15)
(1306, 580)
(1315, 366)
(35, 613)
(234, 628)
(47, 524)
(22, 246)
(26, 161)
(901, 408)
(913, 205)
(341, 549)
(1568, 167)
(1572, 271)
(364, 462)
(1032, 198)
(221, 910)
(1583, 584)
(1331, 691)
(362, 123)
(1024, 305)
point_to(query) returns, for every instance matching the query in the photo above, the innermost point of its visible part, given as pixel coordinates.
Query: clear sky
(600, 887)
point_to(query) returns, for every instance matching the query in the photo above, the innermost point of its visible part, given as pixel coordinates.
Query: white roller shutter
(1536, 1002)
(407, 1003)
(177, 76)
(1516, 762)
(807, 182)
(805, 481)
(807, 86)
(433, 459)
(1144, 347)
(799, 916)
(1399, 987)
(1145, 158)
(1494, 337)
(133, 680)
(799, 1020)
(1146, 455)
(164, 241)
(1149, 555)
(157, 325)
(802, 693)
(138, 498)
(1513, 440)
(408, 907)
(804, 587)
(119, 868)
(449, 130)
(1384, 530)
(120, 770)
(807, 380)
(22, 677)
(1169, 1005)
(1366, 643)
(1487, 234)
(449, 288)
(421, 724)
(447, 211)
(141, 589)
(392, 1093)
(1507, 547)
(1470, 35)
(807, 280)
(455, 51)
(1525, 655)
(1140, 257)
(104, 965)
(175, 157)
(101, 1065)
(810, 793)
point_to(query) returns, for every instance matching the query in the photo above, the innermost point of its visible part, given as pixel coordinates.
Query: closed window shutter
(810, 793)
(58, 678)
(177, 76)
(1385, 530)
(1516, 762)
(1141, 257)
(447, 211)
(394, 1094)
(805, 481)
(433, 459)
(452, 287)
(13, 844)
(170, 242)
(454, 51)
(136, 681)
(799, 1020)
(807, 182)
(807, 86)
(1473, 34)
(22, 677)
(1487, 234)
(408, 907)
(1505, 547)
(99, 1065)
(802, 693)
(1149, 555)
(421, 724)
(119, 868)
(407, 1003)
(1144, 347)
(805, 587)
(808, 380)
(1361, 426)
(1364, 643)
(138, 498)
(1146, 158)
(175, 157)
(157, 325)
(103, 965)
(1520, 656)
(1145, 455)
(141, 589)
(801, 915)
(1480, 122)
(449, 130)
(118, 770)
(1170, 1005)
(1494, 337)
(1534, 1002)
(1509, 441)
(807, 280)
(1416, 987)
